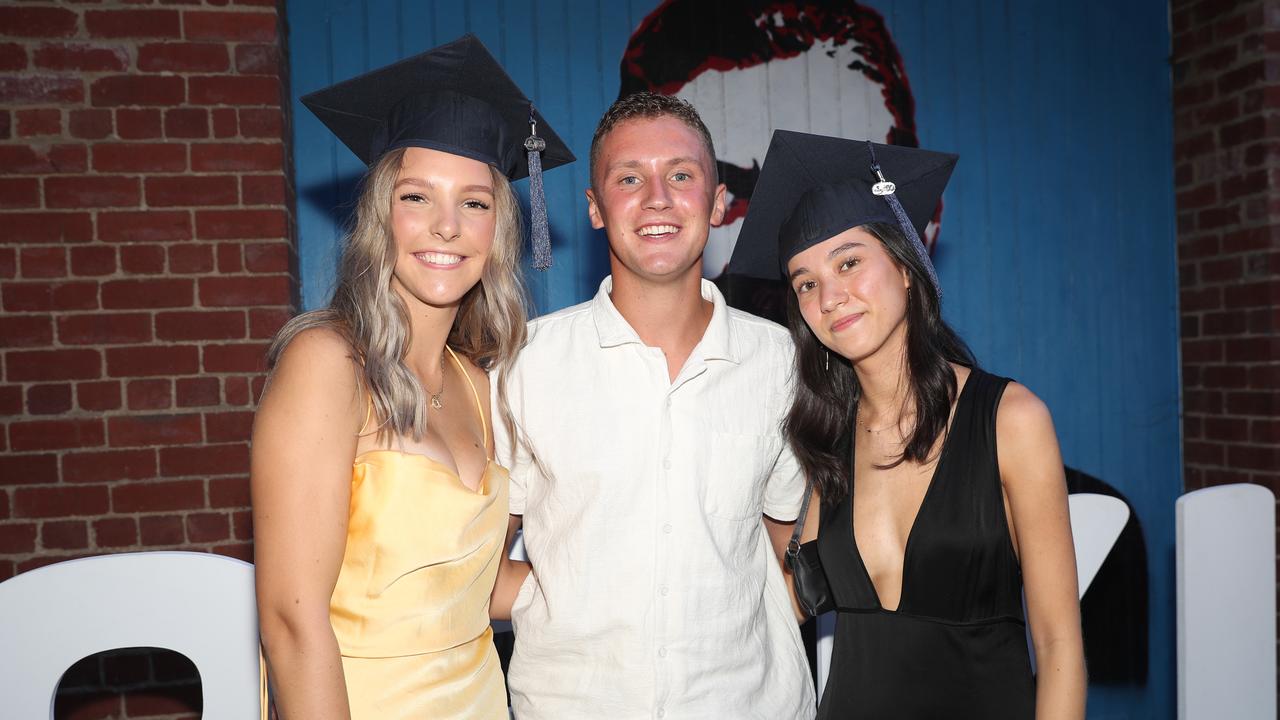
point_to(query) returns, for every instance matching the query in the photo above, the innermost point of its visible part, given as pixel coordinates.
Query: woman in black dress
(942, 488)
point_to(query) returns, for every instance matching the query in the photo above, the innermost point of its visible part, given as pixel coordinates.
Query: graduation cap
(814, 187)
(457, 99)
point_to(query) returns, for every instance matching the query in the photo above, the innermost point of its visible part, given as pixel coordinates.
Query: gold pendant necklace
(436, 404)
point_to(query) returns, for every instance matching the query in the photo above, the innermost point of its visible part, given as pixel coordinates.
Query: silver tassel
(539, 231)
(888, 191)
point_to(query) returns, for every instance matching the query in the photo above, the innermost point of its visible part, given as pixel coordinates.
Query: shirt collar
(717, 341)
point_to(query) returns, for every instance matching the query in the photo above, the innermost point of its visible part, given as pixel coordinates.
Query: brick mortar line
(79, 414)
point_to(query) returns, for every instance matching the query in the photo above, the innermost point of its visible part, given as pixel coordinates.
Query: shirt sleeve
(784, 490)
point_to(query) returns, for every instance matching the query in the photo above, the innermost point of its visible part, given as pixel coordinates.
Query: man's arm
(514, 455)
(784, 495)
(780, 537)
(511, 575)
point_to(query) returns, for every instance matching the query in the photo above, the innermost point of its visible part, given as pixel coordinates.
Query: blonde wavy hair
(489, 328)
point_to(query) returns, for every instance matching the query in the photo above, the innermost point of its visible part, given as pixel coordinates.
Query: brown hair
(647, 105)
(489, 328)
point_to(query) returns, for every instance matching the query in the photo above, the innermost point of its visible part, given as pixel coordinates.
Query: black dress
(956, 646)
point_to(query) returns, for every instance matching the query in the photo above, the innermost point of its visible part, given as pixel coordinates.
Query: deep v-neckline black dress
(956, 646)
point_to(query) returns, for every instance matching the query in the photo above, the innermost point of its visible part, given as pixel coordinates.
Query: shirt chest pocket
(739, 467)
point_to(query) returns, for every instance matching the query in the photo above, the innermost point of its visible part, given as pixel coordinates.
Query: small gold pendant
(435, 402)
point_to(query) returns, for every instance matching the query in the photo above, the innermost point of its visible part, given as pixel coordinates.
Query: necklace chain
(868, 428)
(435, 396)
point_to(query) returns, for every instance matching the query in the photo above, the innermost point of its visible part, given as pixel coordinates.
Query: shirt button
(668, 402)
(666, 463)
(662, 652)
(662, 713)
(662, 591)
(666, 528)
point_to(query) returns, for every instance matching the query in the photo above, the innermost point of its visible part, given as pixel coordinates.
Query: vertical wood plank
(586, 102)
(997, 246)
(559, 287)
(382, 40)
(450, 21)
(417, 26)
(483, 20)
(314, 177)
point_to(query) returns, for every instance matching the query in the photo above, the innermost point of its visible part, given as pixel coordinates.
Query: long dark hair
(819, 424)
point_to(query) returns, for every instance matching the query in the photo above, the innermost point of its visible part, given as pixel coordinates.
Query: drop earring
(826, 360)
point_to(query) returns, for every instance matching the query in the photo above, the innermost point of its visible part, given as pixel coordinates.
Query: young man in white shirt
(652, 478)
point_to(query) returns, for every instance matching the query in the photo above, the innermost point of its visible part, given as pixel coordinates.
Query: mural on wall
(822, 66)
(831, 67)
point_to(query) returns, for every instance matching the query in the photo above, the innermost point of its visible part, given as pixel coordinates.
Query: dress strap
(264, 687)
(484, 425)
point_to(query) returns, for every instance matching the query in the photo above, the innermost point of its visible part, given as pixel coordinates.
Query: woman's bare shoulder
(317, 360)
(323, 342)
(1021, 409)
(1027, 445)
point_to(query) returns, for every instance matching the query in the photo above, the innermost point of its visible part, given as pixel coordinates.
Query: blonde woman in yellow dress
(378, 510)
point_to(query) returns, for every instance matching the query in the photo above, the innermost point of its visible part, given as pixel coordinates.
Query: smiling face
(442, 220)
(656, 197)
(852, 294)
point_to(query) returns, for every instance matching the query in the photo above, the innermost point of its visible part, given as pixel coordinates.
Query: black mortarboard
(814, 187)
(455, 98)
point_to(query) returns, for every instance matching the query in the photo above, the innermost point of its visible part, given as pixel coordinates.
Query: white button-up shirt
(655, 592)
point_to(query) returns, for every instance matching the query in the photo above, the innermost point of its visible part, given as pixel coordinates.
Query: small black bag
(812, 589)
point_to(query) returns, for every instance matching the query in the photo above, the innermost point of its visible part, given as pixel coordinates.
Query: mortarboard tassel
(539, 232)
(888, 191)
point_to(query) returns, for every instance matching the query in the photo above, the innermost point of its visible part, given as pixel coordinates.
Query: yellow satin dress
(411, 605)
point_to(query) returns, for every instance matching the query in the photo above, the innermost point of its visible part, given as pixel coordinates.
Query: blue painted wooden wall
(1057, 252)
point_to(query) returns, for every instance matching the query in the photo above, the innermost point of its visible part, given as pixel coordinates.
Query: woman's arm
(1035, 484)
(304, 441)
(511, 575)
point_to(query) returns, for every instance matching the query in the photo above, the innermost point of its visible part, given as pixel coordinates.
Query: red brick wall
(145, 261)
(1226, 101)
(130, 684)
(1227, 172)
